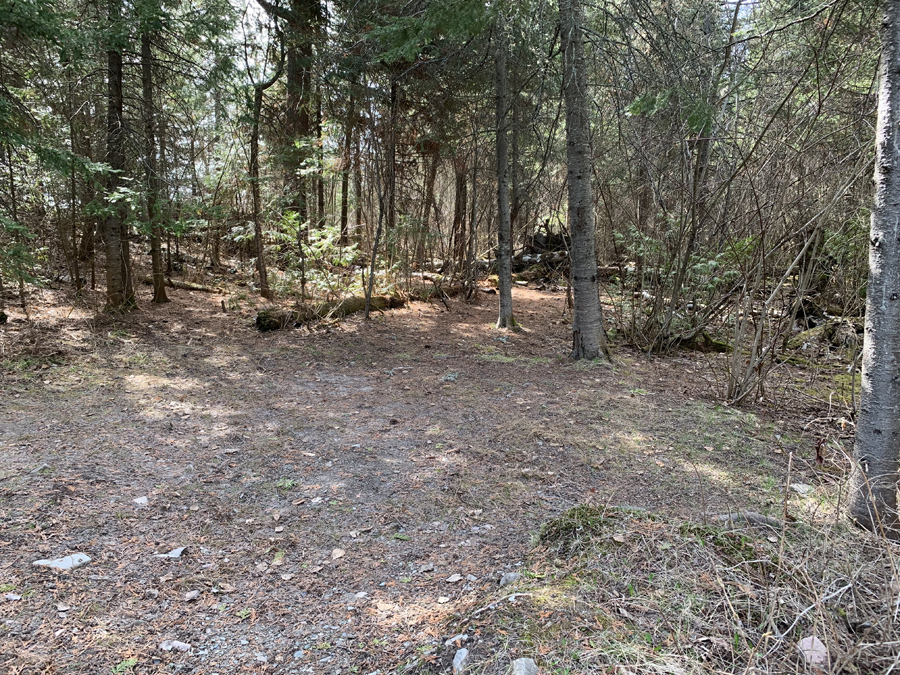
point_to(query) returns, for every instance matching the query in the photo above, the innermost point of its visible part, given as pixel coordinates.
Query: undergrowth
(619, 591)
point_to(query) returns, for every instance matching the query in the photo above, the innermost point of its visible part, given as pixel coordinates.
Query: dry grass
(621, 591)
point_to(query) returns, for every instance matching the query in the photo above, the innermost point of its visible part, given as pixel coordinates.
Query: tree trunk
(873, 481)
(392, 159)
(588, 336)
(357, 188)
(259, 89)
(320, 168)
(150, 165)
(433, 159)
(116, 298)
(346, 162)
(504, 220)
(254, 189)
(460, 201)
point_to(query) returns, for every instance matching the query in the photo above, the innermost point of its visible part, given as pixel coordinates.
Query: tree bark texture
(150, 166)
(588, 336)
(259, 89)
(115, 156)
(460, 201)
(504, 220)
(346, 163)
(873, 482)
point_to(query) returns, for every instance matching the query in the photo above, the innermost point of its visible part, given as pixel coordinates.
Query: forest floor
(349, 496)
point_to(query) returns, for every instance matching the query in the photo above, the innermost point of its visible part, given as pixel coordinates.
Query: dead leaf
(337, 553)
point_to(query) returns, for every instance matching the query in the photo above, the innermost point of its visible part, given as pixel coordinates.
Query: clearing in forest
(349, 496)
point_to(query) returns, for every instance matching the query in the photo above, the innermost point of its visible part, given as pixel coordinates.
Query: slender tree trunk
(116, 298)
(73, 196)
(471, 271)
(460, 201)
(873, 482)
(320, 169)
(392, 159)
(254, 189)
(346, 164)
(504, 218)
(357, 188)
(433, 159)
(150, 165)
(588, 335)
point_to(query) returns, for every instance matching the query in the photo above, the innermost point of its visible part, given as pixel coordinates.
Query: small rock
(12, 596)
(151, 593)
(60, 607)
(191, 595)
(299, 654)
(509, 578)
(175, 553)
(814, 651)
(471, 577)
(802, 489)
(279, 529)
(462, 637)
(443, 600)
(169, 645)
(70, 562)
(261, 657)
(287, 577)
(454, 578)
(459, 659)
(337, 553)
(140, 501)
(524, 667)
(427, 567)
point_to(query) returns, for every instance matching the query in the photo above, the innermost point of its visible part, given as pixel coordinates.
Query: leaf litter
(181, 416)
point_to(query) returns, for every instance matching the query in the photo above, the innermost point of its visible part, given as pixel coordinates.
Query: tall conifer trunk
(873, 483)
(150, 165)
(588, 336)
(504, 219)
(116, 262)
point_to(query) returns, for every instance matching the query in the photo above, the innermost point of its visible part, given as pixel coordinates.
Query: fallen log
(183, 285)
(276, 318)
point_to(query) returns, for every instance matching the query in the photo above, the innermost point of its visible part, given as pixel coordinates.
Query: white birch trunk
(873, 483)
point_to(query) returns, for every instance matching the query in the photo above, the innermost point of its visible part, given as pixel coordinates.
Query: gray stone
(462, 637)
(174, 553)
(70, 562)
(524, 667)
(509, 578)
(459, 659)
(169, 645)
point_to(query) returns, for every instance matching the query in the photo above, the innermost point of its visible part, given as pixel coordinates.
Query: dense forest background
(323, 147)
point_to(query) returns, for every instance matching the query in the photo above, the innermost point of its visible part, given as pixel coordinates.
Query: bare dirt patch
(328, 484)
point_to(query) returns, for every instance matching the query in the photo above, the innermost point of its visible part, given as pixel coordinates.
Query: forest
(449, 336)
